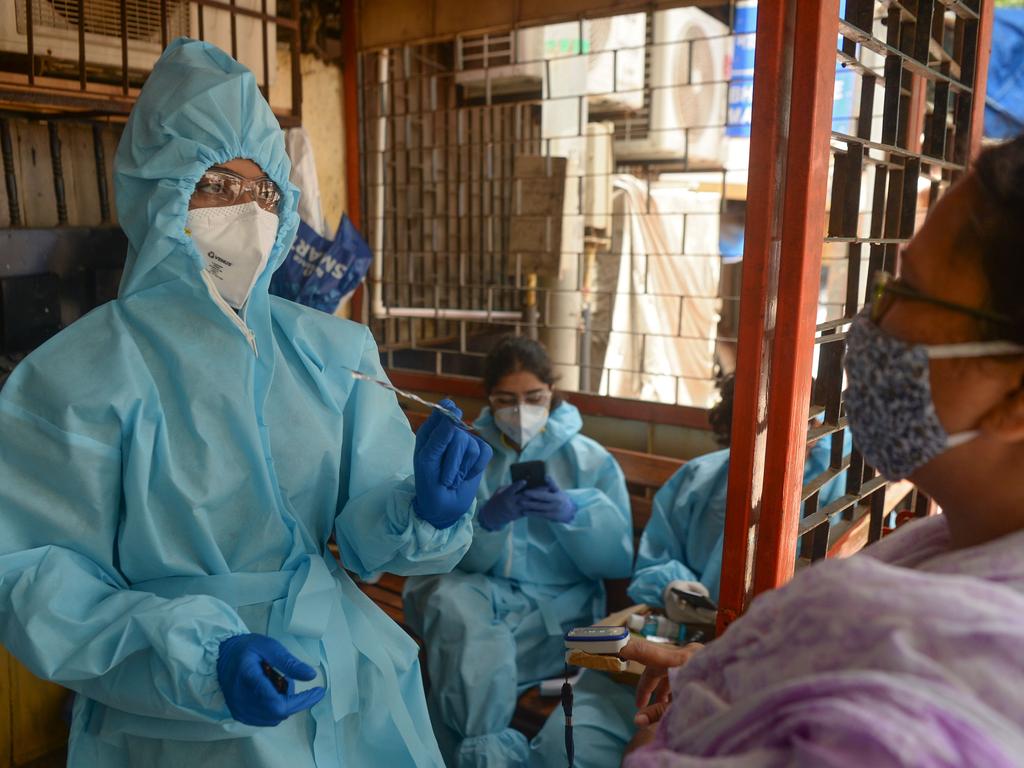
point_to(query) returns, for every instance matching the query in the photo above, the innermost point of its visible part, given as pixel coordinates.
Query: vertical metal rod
(124, 47)
(163, 24)
(101, 172)
(979, 61)
(769, 127)
(81, 45)
(807, 161)
(30, 42)
(202, 21)
(296, 62)
(11, 180)
(234, 31)
(58, 173)
(266, 52)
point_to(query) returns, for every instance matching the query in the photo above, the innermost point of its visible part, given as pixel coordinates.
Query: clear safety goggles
(511, 399)
(223, 187)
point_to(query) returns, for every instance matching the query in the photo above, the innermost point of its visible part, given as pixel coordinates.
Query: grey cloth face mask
(889, 397)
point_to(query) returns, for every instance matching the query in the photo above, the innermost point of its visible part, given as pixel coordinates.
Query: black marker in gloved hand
(448, 463)
(253, 696)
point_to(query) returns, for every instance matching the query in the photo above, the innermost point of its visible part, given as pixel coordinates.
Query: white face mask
(235, 242)
(521, 423)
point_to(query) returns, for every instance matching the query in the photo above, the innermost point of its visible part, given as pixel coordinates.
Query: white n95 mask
(235, 242)
(521, 423)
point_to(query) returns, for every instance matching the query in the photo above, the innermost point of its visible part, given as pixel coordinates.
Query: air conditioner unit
(611, 50)
(55, 31)
(689, 91)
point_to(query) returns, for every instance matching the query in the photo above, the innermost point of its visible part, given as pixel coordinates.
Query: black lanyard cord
(570, 749)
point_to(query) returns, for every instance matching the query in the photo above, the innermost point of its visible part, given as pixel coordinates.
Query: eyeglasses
(511, 399)
(887, 288)
(224, 187)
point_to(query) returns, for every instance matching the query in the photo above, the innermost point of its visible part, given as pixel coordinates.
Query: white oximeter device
(597, 640)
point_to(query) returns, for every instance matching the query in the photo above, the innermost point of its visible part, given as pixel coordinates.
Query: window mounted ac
(55, 32)
(611, 50)
(689, 91)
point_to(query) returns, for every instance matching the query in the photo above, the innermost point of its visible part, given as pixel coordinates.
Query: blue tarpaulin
(319, 272)
(1004, 100)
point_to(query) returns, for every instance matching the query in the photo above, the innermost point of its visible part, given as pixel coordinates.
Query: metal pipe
(13, 208)
(433, 313)
(124, 46)
(979, 60)
(57, 165)
(30, 43)
(101, 172)
(81, 45)
(234, 31)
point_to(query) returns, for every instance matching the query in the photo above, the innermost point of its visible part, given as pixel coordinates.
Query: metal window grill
(566, 181)
(92, 56)
(915, 68)
(914, 64)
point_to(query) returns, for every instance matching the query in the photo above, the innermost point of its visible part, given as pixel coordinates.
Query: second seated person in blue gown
(494, 626)
(682, 547)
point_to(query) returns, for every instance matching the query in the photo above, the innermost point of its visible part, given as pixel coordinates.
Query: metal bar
(81, 44)
(817, 25)
(202, 22)
(296, 54)
(58, 174)
(291, 23)
(234, 30)
(266, 52)
(30, 42)
(10, 178)
(124, 46)
(769, 125)
(100, 156)
(163, 24)
(981, 53)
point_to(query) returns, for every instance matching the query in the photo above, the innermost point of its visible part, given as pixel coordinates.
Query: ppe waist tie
(312, 609)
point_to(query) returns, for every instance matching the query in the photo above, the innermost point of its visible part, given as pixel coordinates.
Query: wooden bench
(645, 473)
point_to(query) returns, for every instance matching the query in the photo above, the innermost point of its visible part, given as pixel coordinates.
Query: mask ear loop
(966, 350)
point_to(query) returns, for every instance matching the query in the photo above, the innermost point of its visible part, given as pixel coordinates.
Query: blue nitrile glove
(550, 502)
(250, 694)
(447, 463)
(503, 507)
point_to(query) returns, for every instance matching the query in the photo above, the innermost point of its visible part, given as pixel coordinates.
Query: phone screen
(530, 471)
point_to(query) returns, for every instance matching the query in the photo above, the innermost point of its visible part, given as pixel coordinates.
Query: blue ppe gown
(682, 542)
(170, 474)
(494, 627)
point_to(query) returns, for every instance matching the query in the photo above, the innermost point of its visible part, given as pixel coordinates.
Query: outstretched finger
(282, 660)
(651, 715)
(297, 702)
(657, 654)
(650, 681)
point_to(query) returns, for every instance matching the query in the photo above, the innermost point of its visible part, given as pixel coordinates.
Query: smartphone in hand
(533, 472)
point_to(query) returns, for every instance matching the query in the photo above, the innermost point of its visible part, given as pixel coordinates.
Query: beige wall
(385, 23)
(323, 119)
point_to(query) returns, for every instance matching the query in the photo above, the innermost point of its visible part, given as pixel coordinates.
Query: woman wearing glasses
(495, 626)
(173, 465)
(909, 653)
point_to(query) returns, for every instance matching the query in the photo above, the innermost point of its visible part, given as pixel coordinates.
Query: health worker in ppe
(494, 627)
(173, 465)
(681, 547)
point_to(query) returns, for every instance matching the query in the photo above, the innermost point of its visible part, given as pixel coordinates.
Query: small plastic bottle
(655, 626)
